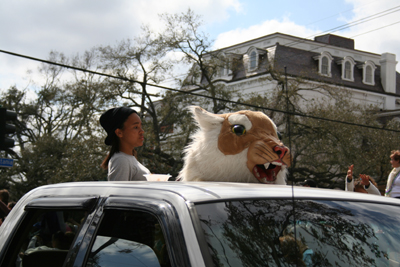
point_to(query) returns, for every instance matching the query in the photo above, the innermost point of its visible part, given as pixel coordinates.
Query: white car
(199, 224)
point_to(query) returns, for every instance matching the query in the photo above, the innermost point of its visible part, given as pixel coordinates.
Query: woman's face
(131, 135)
(395, 163)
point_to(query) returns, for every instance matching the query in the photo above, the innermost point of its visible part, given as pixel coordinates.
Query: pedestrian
(11, 205)
(366, 184)
(4, 210)
(124, 133)
(309, 183)
(393, 182)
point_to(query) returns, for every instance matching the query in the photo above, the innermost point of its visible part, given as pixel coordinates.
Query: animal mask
(235, 147)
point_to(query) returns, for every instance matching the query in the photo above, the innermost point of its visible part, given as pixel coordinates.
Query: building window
(324, 63)
(368, 69)
(368, 74)
(348, 64)
(221, 71)
(347, 70)
(253, 60)
(324, 66)
(223, 68)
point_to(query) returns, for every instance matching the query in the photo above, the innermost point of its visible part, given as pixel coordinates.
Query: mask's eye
(279, 135)
(238, 129)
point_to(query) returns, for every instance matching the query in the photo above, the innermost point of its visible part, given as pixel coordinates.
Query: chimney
(335, 40)
(388, 72)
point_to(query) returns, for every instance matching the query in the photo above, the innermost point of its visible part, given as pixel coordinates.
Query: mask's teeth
(266, 165)
(277, 163)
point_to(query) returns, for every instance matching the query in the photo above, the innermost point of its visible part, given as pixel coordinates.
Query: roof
(197, 191)
(301, 63)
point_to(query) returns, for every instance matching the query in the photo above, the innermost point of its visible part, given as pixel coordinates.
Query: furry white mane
(204, 161)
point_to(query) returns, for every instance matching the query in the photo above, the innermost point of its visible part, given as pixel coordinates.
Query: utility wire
(350, 24)
(397, 22)
(341, 12)
(363, 20)
(342, 27)
(195, 94)
(325, 45)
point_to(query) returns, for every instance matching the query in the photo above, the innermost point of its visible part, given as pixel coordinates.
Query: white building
(331, 59)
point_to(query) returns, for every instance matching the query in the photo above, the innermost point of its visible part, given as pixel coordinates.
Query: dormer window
(368, 72)
(253, 60)
(347, 68)
(324, 64)
(224, 67)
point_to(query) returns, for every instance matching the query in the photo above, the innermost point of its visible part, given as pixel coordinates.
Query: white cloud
(380, 41)
(267, 27)
(35, 28)
(375, 35)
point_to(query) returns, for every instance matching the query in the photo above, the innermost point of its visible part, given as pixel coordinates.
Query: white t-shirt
(124, 167)
(395, 192)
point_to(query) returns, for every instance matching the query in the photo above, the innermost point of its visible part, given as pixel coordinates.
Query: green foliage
(59, 139)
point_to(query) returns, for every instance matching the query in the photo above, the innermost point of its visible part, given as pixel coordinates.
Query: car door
(48, 231)
(129, 231)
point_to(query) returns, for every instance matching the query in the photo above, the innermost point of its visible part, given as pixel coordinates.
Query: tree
(139, 63)
(323, 149)
(57, 132)
(182, 34)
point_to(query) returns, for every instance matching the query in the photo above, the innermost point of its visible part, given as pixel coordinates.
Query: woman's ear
(118, 132)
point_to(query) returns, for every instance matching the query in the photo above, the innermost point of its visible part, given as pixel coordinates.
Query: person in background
(59, 241)
(124, 133)
(309, 183)
(366, 184)
(4, 210)
(393, 182)
(11, 205)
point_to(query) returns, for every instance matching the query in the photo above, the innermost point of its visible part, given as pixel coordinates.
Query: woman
(393, 182)
(366, 184)
(124, 133)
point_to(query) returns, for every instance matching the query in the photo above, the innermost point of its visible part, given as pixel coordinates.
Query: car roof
(202, 191)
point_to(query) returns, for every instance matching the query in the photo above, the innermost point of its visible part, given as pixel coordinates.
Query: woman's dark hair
(111, 120)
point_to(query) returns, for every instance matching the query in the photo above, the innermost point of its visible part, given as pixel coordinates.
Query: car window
(314, 233)
(129, 238)
(44, 237)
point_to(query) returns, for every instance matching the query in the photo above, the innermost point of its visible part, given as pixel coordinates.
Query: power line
(345, 26)
(376, 29)
(365, 19)
(194, 94)
(350, 24)
(344, 11)
(325, 45)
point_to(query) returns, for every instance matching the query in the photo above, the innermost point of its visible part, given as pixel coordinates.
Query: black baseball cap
(113, 119)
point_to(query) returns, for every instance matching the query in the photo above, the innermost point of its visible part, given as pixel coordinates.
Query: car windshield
(313, 233)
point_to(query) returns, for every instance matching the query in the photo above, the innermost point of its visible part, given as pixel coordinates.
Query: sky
(35, 28)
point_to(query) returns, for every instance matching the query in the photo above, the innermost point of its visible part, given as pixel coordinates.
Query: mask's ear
(205, 119)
